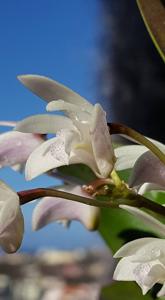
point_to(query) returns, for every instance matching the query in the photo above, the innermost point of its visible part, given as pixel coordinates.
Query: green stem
(116, 179)
(122, 129)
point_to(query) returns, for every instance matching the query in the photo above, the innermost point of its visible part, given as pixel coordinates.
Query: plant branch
(116, 128)
(132, 199)
(29, 195)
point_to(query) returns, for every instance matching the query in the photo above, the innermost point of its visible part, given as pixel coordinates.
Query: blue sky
(59, 39)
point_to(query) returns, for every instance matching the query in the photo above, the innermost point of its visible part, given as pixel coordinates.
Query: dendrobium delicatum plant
(82, 153)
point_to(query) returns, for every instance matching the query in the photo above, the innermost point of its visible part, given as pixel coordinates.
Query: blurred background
(58, 39)
(100, 49)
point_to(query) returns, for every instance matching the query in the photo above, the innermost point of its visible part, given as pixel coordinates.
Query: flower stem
(116, 179)
(122, 129)
(151, 205)
(132, 199)
(30, 195)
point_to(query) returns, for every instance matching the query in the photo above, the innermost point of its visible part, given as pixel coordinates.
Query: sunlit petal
(43, 158)
(51, 154)
(63, 105)
(127, 156)
(101, 141)
(70, 109)
(49, 90)
(44, 124)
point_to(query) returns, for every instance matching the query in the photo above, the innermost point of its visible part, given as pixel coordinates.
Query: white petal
(62, 105)
(75, 112)
(44, 124)
(148, 220)
(146, 187)
(156, 274)
(51, 154)
(148, 168)
(81, 156)
(101, 141)
(49, 90)
(142, 278)
(124, 270)
(132, 247)
(11, 219)
(146, 275)
(15, 147)
(52, 209)
(8, 123)
(127, 156)
(42, 158)
(83, 128)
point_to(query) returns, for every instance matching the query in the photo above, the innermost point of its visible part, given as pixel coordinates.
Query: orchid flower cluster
(82, 136)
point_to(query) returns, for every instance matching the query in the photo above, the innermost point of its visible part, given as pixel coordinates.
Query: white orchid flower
(81, 137)
(11, 219)
(143, 259)
(148, 172)
(15, 147)
(51, 209)
(144, 262)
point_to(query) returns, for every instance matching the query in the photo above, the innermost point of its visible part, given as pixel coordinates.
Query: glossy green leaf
(118, 227)
(123, 291)
(153, 13)
(156, 196)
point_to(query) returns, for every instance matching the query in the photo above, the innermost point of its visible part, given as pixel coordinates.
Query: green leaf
(118, 227)
(124, 174)
(123, 291)
(77, 171)
(153, 13)
(156, 196)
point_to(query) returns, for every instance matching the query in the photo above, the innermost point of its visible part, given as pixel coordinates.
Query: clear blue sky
(59, 39)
